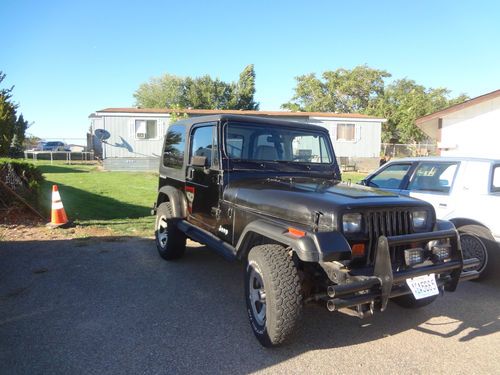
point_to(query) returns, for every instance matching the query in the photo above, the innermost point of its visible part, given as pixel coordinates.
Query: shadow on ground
(111, 305)
(46, 168)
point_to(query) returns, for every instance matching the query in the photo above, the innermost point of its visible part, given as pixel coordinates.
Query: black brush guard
(385, 284)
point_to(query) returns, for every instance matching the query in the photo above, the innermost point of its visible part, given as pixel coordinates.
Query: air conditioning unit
(140, 135)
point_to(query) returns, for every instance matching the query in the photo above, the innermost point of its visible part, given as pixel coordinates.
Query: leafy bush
(22, 177)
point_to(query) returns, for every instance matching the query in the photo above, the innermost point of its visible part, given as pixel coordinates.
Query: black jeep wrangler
(269, 192)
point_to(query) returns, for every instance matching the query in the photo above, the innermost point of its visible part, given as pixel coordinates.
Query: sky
(68, 59)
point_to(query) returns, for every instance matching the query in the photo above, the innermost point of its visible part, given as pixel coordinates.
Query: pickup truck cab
(269, 193)
(465, 191)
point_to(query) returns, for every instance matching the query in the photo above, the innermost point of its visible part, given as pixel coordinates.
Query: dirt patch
(38, 231)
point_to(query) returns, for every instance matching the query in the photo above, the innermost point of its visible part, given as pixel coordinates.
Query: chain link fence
(398, 150)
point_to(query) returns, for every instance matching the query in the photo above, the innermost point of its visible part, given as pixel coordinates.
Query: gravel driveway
(112, 306)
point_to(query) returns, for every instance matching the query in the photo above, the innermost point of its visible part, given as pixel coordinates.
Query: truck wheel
(273, 294)
(409, 302)
(170, 241)
(478, 242)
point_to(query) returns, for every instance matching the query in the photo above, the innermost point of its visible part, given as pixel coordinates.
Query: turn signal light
(358, 249)
(296, 232)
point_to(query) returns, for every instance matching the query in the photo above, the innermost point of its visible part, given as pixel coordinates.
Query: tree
(402, 102)
(244, 90)
(339, 91)
(12, 127)
(160, 92)
(203, 92)
(363, 90)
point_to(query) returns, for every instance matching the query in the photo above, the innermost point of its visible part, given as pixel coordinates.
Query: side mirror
(199, 161)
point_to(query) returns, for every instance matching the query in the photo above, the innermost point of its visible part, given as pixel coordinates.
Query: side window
(390, 177)
(204, 143)
(346, 132)
(145, 129)
(173, 151)
(434, 176)
(495, 180)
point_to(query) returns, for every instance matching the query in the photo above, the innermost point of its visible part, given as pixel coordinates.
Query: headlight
(419, 219)
(351, 223)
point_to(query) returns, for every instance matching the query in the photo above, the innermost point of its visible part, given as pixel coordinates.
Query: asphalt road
(114, 307)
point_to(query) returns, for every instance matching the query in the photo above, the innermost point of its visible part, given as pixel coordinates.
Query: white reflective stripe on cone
(56, 196)
(57, 205)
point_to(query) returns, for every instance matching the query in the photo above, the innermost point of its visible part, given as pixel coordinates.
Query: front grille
(386, 223)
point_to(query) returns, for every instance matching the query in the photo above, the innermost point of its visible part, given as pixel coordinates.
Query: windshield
(264, 142)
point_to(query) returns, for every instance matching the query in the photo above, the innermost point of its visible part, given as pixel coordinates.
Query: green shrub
(22, 177)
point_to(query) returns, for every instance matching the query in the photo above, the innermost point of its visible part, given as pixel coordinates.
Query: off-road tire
(174, 246)
(478, 232)
(283, 297)
(409, 302)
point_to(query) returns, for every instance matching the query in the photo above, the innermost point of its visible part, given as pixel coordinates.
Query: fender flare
(176, 198)
(460, 221)
(313, 247)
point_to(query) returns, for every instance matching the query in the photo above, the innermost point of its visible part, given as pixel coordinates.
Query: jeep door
(202, 173)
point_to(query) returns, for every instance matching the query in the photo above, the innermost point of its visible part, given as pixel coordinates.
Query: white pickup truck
(465, 191)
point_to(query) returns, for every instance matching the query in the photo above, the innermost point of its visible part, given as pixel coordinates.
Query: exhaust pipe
(330, 305)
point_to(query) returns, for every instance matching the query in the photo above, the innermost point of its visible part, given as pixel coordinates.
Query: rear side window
(391, 177)
(495, 180)
(173, 151)
(433, 176)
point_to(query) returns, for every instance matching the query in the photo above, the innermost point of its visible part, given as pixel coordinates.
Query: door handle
(190, 173)
(443, 205)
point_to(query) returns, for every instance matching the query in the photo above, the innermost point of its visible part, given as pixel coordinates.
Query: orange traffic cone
(58, 215)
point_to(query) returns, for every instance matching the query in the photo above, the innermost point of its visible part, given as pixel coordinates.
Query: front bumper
(386, 284)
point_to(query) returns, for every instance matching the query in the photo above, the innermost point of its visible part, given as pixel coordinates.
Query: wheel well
(459, 222)
(255, 239)
(162, 197)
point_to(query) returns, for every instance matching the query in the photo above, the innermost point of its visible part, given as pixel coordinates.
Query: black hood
(298, 199)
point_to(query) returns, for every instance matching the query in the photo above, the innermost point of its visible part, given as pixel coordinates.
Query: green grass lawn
(120, 201)
(353, 176)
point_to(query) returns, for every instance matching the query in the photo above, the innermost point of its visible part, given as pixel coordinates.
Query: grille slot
(385, 223)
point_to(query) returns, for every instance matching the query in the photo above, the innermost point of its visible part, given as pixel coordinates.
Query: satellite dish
(102, 134)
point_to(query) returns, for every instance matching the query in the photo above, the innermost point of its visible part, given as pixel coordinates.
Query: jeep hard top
(269, 193)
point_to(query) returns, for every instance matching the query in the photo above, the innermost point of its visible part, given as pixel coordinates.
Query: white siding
(473, 131)
(366, 142)
(123, 143)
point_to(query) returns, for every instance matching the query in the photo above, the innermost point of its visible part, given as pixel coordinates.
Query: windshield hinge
(317, 218)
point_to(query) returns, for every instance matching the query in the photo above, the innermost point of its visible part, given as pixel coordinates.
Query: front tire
(170, 241)
(272, 293)
(478, 242)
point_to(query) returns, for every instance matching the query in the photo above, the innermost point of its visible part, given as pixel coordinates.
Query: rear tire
(272, 293)
(170, 241)
(409, 302)
(478, 242)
